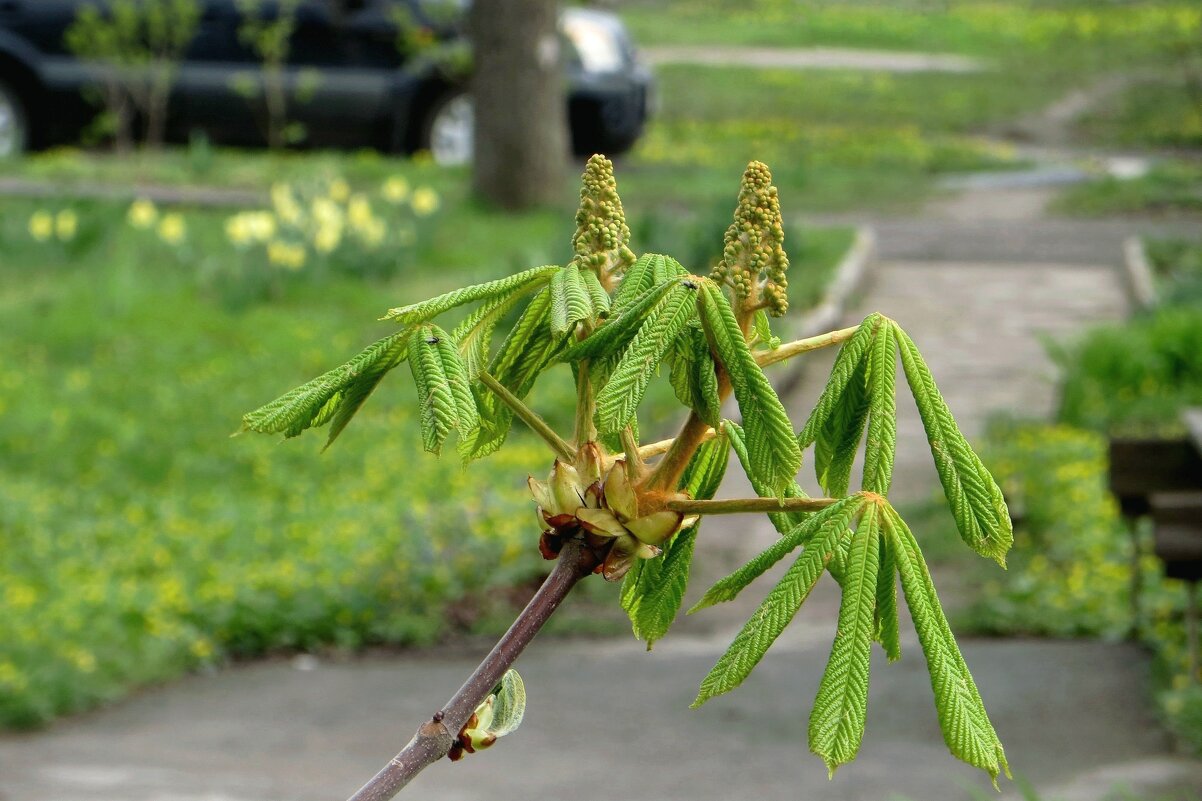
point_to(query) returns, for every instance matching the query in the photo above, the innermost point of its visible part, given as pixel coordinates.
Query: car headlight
(597, 44)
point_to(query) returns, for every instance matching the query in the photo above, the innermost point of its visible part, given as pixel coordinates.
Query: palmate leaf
(881, 445)
(845, 366)
(782, 521)
(770, 619)
(570, 299)
(832, 521)
(529, 349)
(962, 717)
(774, 455)
(841, 706)
(619, 399)
(693, 376)
(427, 309)
(886, 628)
(650, 270)
(974, 497)
(839, 438)
(474, 334)
(443, 391)
(320, 400)
(653, 590)
(616, 332)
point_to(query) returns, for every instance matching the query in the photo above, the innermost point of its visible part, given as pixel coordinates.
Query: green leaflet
(653, 590)
(773, 450)
(831, 522)
(761, 326)
(839, 438)
(359, 390)
(885, 622)
(881, 445)
(693, 377)
(845, 366)
(442, 384)
(475, 333)
(620, 397)
(618, 331)
(841, 707)
(770, 619)
(570, 299)
(528, 349)
(962, 717)
(510, 704)
(420, 312)
(318, 401)
(651, 269)
(598, 297)
(974, 497)
(783, 521)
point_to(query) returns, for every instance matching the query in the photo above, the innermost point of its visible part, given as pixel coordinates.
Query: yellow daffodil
(425, 201)
(65, 225)
(285, 204)
(340, 190)
(395, 189)
(288, 255)
(41, 226)
(142, 214)
(358, 212)
(327, 238)
(172, 228)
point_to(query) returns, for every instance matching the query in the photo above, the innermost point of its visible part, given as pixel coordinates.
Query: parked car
(367, 92)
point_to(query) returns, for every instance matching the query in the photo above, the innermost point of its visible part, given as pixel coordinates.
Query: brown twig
(435, 737)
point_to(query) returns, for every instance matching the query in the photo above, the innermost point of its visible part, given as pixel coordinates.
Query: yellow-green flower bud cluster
(602, 235)
(753, 254)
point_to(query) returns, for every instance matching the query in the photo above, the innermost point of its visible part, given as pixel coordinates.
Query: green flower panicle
(753, 254)
(602, 237)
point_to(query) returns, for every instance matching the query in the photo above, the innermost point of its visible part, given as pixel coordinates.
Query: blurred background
(207, 202)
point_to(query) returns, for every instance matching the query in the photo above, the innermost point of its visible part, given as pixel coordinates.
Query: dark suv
(367, 92)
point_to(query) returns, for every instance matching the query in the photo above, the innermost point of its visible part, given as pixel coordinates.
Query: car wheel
(14, 130)
(450, 128)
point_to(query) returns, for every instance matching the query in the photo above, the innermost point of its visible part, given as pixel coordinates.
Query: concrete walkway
(808, 58)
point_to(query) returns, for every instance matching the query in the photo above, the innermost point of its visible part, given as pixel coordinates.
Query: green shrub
(1177, 269)
(1135, 377)
(1069, 572)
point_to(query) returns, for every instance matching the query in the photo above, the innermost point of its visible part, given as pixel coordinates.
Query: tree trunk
(521, 135)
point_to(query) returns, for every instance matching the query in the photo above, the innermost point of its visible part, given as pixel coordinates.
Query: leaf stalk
(528, 416)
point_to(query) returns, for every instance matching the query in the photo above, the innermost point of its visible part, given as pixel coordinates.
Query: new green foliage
(623, 392)
(443, 392)
(974, 497)
(774, 455)
(619, 321)
(770, 619)
(315, 403)
(429, 309)
(841, 707)
(962, 716)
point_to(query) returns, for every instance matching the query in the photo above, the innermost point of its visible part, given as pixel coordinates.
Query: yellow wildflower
(326, 211)
(327, 238)
(142, 214)
(358, 212)
(172, 229)
(425, 201)
(41, 226)
(395, 189)
(340, 190)
(284, 203)
(66, 224)
(287, 255)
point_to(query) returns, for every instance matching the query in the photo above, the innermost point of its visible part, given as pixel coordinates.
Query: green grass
(1073, 33)
(1172, 187)
(1162, 113)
